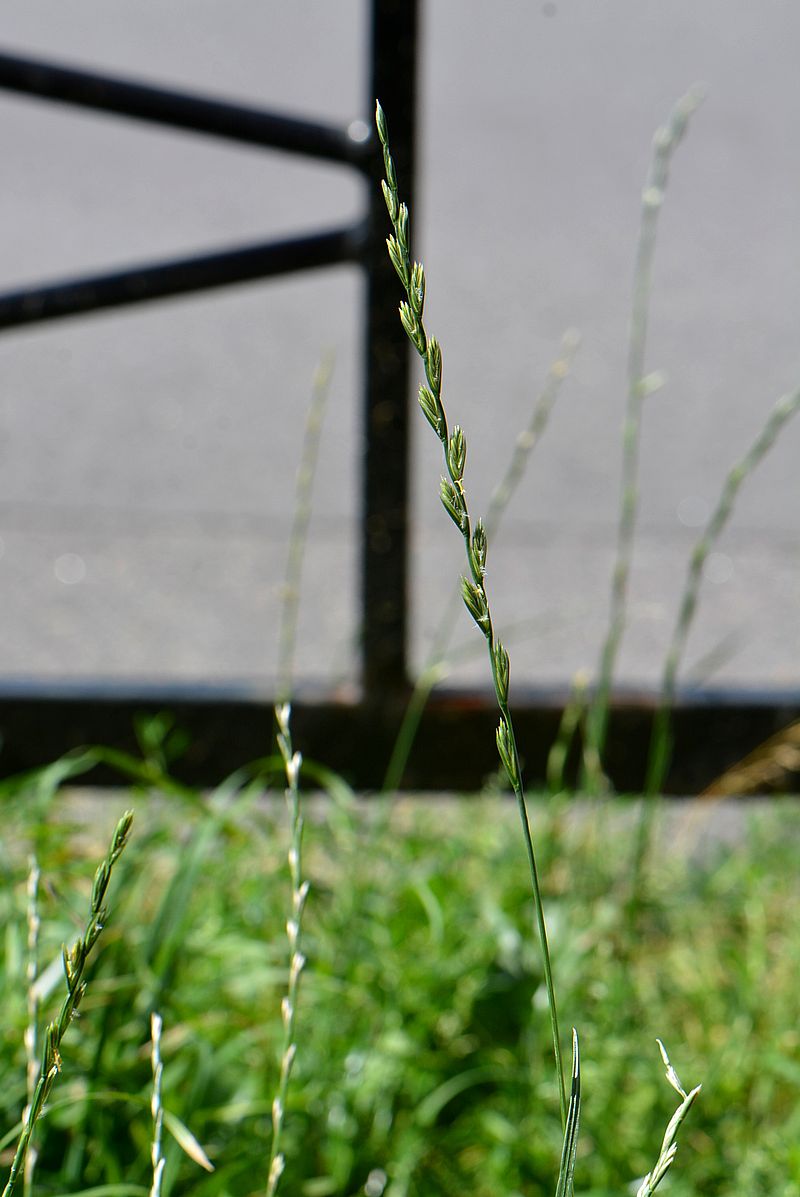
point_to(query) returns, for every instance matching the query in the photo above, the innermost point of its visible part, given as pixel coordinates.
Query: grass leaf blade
(566, 1172)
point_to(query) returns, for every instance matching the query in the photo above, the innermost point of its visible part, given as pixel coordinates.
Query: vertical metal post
(384, 561)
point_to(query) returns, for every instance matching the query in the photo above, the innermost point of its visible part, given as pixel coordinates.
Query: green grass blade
(298, 537)
(566, 1172)
(669, 1145)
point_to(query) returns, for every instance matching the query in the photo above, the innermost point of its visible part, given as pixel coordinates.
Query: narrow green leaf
(566, 1172)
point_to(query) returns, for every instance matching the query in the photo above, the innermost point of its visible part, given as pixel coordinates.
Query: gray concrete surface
(147, 458)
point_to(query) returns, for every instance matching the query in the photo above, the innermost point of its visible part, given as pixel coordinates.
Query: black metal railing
(454, 745)
(392, 75)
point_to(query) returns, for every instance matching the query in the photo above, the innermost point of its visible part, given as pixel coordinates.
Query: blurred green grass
(423, 1062)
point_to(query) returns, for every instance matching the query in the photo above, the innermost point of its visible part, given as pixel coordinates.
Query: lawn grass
(424, 1056)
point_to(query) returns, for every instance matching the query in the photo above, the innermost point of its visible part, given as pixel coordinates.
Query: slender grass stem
(640, 386)
(74, 967)
(292, 762)
(453, 496)
(298, 536)
(435, 667)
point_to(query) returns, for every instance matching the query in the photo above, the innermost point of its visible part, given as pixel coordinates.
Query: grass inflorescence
(640, 386)
(473, 589)
(454, 501)
(74, 963)
(292, 761)
(436, 667)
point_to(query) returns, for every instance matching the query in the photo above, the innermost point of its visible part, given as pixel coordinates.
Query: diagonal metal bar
(184, 110)
(162, 279)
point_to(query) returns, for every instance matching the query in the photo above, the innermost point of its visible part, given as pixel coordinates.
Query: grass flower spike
(292, 762)
(454, 501)
(437, 665)
(74, 966)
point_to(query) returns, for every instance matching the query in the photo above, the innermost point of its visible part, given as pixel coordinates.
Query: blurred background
(148, 456)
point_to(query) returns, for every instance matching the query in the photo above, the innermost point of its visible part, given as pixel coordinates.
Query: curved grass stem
(298, 536)
(454, 500)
